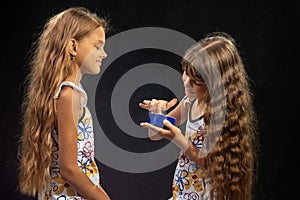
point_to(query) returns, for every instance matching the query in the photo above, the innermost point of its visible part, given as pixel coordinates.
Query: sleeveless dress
(59, 189)
(189, 180)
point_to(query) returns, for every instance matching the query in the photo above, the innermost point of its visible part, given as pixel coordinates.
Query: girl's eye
(198, 83)
(99, 47)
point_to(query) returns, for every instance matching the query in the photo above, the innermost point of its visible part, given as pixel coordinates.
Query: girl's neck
(200, 105)
(75, 77)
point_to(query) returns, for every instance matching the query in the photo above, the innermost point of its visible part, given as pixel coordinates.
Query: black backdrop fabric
(265, 33)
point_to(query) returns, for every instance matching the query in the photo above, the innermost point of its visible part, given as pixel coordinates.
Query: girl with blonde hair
(56, 148)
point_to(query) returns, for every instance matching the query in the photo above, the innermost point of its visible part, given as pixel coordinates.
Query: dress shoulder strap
(187, 101)
(83, 100)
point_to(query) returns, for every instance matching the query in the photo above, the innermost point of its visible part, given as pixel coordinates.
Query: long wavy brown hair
(50, 64)
(230, 119)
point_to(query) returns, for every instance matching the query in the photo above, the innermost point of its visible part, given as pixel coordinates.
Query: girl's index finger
(171, 103)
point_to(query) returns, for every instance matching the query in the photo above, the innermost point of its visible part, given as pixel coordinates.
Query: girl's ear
(73, 46)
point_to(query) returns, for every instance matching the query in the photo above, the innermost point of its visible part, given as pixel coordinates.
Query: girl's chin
(189, 93)
(97, 69)
(94, 71)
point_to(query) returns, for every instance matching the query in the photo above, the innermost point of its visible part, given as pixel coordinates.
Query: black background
(268, 42)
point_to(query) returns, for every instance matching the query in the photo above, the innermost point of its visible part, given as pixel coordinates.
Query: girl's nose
(186, 79)
(104, 55)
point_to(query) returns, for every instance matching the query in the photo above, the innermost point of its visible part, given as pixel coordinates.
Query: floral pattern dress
(190, 182)
(59, 189)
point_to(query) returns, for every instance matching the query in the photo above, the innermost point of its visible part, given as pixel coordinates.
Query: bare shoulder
(69, 101)
(66, 95)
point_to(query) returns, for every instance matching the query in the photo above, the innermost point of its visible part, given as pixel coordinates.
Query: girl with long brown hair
(218, 150)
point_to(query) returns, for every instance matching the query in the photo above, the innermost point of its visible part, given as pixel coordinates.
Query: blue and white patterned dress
(59, 189)
(190, 182)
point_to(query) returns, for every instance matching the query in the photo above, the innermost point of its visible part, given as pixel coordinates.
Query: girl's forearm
(189, 149)
(84, 185)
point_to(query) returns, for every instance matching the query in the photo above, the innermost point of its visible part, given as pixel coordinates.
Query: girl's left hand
(157, 106)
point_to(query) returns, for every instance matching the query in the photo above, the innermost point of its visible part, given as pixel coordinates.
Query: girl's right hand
(157, 106)
(173, 134)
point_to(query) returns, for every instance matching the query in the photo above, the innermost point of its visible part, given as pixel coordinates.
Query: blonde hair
(231, 161)
(50, 65)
